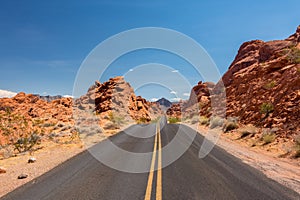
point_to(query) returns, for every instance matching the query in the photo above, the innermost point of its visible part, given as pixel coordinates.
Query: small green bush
(204, 120)
(229, 125)
(268, 138)
(270, 85)
(173, 120)
(297, 146)
(216, 121)
(142, 120)
(293, 55)
(266, 108)
(24, 144)
(117, 120)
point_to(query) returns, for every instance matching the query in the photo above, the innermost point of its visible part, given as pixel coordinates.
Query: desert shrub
(247, 130)
(21, 132)
(230, 125)
(173, 120)
(204, 120)
(268, 136)
(270, 85)
(266, 108)
(216, 121)
(142, 120)
(293, 55)
(195, 119)
(27, 143)
(297, 146)
(117, 120)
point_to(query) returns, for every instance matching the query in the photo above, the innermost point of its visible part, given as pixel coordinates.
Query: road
(217, 176)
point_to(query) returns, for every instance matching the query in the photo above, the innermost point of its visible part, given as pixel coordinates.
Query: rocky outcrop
(29, 105)
(198, 102)
(26, 119)
(262, 86)
(116, 97)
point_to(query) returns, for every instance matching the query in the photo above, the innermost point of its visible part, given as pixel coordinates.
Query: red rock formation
(117, 96)
(263, 74)
(266, 73)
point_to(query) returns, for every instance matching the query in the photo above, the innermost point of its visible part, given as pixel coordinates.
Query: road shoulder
(283, 170)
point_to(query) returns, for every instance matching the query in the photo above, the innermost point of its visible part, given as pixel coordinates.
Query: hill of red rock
(105, 106)
(117, 98)
(262, 86)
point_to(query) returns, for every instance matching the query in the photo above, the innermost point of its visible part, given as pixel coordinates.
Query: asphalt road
(218, 176)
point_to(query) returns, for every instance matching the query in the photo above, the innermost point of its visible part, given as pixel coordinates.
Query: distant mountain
(164, 102)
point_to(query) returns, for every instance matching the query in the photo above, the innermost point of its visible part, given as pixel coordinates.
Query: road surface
(217, 176)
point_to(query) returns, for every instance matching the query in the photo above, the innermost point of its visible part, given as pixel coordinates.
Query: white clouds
(153, 99)
(68, 96)
(186, 94)
(175, 71)
(131, 70)
(5, 93)
(173, 92)
(175, 99)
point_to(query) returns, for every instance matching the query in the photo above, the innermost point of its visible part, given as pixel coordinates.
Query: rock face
(27, 113)
(198, 103)
(262, 86)
(116, 98)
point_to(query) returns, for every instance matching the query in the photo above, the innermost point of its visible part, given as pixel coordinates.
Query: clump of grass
(173, 120)
(293, 55)
(142, 120)
(195, 119)
(204, 120)
(228, 126)
(215, 122)
(270, 85)
(115, 119)
(268, 136)
(247, 130)
(266, 108)
(297, 146)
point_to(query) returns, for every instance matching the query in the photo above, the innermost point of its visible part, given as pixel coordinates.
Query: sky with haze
(43, 43)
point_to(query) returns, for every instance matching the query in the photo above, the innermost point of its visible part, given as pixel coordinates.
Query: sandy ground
(283, 170)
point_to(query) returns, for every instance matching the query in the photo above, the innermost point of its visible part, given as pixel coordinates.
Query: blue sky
(43, 43)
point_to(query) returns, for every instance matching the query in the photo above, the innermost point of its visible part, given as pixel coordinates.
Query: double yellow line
(157, 142)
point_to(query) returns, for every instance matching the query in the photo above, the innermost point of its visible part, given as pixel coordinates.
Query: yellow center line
(150, 178)
(157, 140)
(159, 171)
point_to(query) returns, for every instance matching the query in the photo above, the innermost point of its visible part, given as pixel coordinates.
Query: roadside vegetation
(267, 109)
(115, 121)
(248, 130)
(297, 147)
(216, 121)
(230, 124)
(142, 120)
(270, 85)
(173, 120)
(19, 132)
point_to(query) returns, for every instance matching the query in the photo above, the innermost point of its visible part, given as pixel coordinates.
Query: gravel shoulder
(286, 171)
